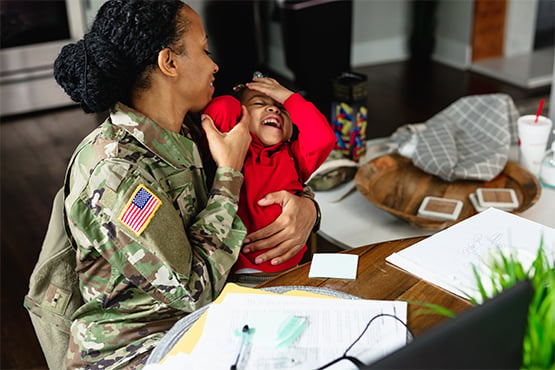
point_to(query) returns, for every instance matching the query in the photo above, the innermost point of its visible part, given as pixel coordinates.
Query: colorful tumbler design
(349, 123)
(349, 115)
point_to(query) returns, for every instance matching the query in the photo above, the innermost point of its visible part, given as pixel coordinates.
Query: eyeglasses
(359, 364)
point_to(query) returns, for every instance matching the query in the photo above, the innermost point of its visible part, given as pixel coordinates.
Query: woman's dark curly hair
(119, 52)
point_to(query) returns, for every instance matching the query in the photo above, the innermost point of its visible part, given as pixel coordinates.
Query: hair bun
(69, 68)
(123, 41)
(91, 73)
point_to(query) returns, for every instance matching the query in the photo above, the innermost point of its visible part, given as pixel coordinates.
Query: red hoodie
(284, 166)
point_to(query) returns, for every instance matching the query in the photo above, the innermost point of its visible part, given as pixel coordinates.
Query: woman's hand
(288, 233)
(228, 149)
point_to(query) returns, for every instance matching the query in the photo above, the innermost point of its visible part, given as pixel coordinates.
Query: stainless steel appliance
(33, 32)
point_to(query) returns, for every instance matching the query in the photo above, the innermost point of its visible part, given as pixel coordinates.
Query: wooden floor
(35, 150)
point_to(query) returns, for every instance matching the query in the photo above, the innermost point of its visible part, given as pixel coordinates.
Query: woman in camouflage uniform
(154, 242)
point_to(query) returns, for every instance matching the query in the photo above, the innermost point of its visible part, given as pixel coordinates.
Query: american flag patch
(140, 209)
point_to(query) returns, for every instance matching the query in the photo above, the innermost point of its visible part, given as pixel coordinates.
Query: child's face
(269, 121)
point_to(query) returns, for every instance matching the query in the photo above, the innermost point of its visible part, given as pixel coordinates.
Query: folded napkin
(470, 139)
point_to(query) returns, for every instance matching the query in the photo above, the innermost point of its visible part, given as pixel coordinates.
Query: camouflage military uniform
(138, 281)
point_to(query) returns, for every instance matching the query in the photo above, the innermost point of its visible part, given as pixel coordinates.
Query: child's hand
(272, 88)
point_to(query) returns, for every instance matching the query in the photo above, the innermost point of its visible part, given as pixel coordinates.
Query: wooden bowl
(392, 183)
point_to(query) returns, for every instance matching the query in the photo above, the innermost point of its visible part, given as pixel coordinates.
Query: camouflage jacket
(153, 244)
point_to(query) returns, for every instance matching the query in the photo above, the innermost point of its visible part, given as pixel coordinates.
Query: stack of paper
(331, 326)
(447, 258)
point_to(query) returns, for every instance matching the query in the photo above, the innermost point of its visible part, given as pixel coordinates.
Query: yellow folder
(188, 341)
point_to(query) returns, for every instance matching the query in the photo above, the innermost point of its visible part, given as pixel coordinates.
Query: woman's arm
(183, 267)
(184, 247)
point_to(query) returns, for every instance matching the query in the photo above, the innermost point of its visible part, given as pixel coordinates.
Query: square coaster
(475, 203)
(440, 208)
(502, 198)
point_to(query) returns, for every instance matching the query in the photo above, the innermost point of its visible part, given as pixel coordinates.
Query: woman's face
(196, 82)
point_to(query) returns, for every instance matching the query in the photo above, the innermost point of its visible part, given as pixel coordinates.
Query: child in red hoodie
(280, 157)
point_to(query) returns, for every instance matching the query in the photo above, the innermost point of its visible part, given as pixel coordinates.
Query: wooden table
(377, 279)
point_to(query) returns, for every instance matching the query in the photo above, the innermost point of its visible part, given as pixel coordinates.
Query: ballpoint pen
(244, 335)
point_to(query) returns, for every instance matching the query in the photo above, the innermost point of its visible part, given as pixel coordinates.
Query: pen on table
(244, 335)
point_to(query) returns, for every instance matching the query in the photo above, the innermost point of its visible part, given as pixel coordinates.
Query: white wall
(520, 27)
(454, 33)
(380, 31)
(552, 99)
(90, 9)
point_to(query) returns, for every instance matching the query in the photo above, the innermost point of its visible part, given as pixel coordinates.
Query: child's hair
(239, 89)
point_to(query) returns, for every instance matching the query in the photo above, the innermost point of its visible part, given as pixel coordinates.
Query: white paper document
(333, 265)
(446, 258)
(331, 326)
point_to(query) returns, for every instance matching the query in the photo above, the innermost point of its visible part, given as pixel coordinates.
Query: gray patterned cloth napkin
(470, 139)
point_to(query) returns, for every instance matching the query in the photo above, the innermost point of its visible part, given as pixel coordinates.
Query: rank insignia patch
(140, 209)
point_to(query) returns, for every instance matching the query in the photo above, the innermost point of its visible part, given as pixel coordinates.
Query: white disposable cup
(532, 141)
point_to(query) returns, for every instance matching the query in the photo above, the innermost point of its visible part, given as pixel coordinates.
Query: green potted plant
(504, 272)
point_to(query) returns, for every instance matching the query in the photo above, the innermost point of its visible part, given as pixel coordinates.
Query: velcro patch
(56, 299)
(140, 209)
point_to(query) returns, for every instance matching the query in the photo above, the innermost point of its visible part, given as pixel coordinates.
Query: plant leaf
(431, 309)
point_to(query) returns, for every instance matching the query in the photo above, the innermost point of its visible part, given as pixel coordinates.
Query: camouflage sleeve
(179, 251)
(217, 226)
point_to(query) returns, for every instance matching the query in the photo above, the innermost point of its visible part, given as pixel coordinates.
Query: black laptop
(488, 336)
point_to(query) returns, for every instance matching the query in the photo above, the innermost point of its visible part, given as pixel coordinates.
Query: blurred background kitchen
(418, 57)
